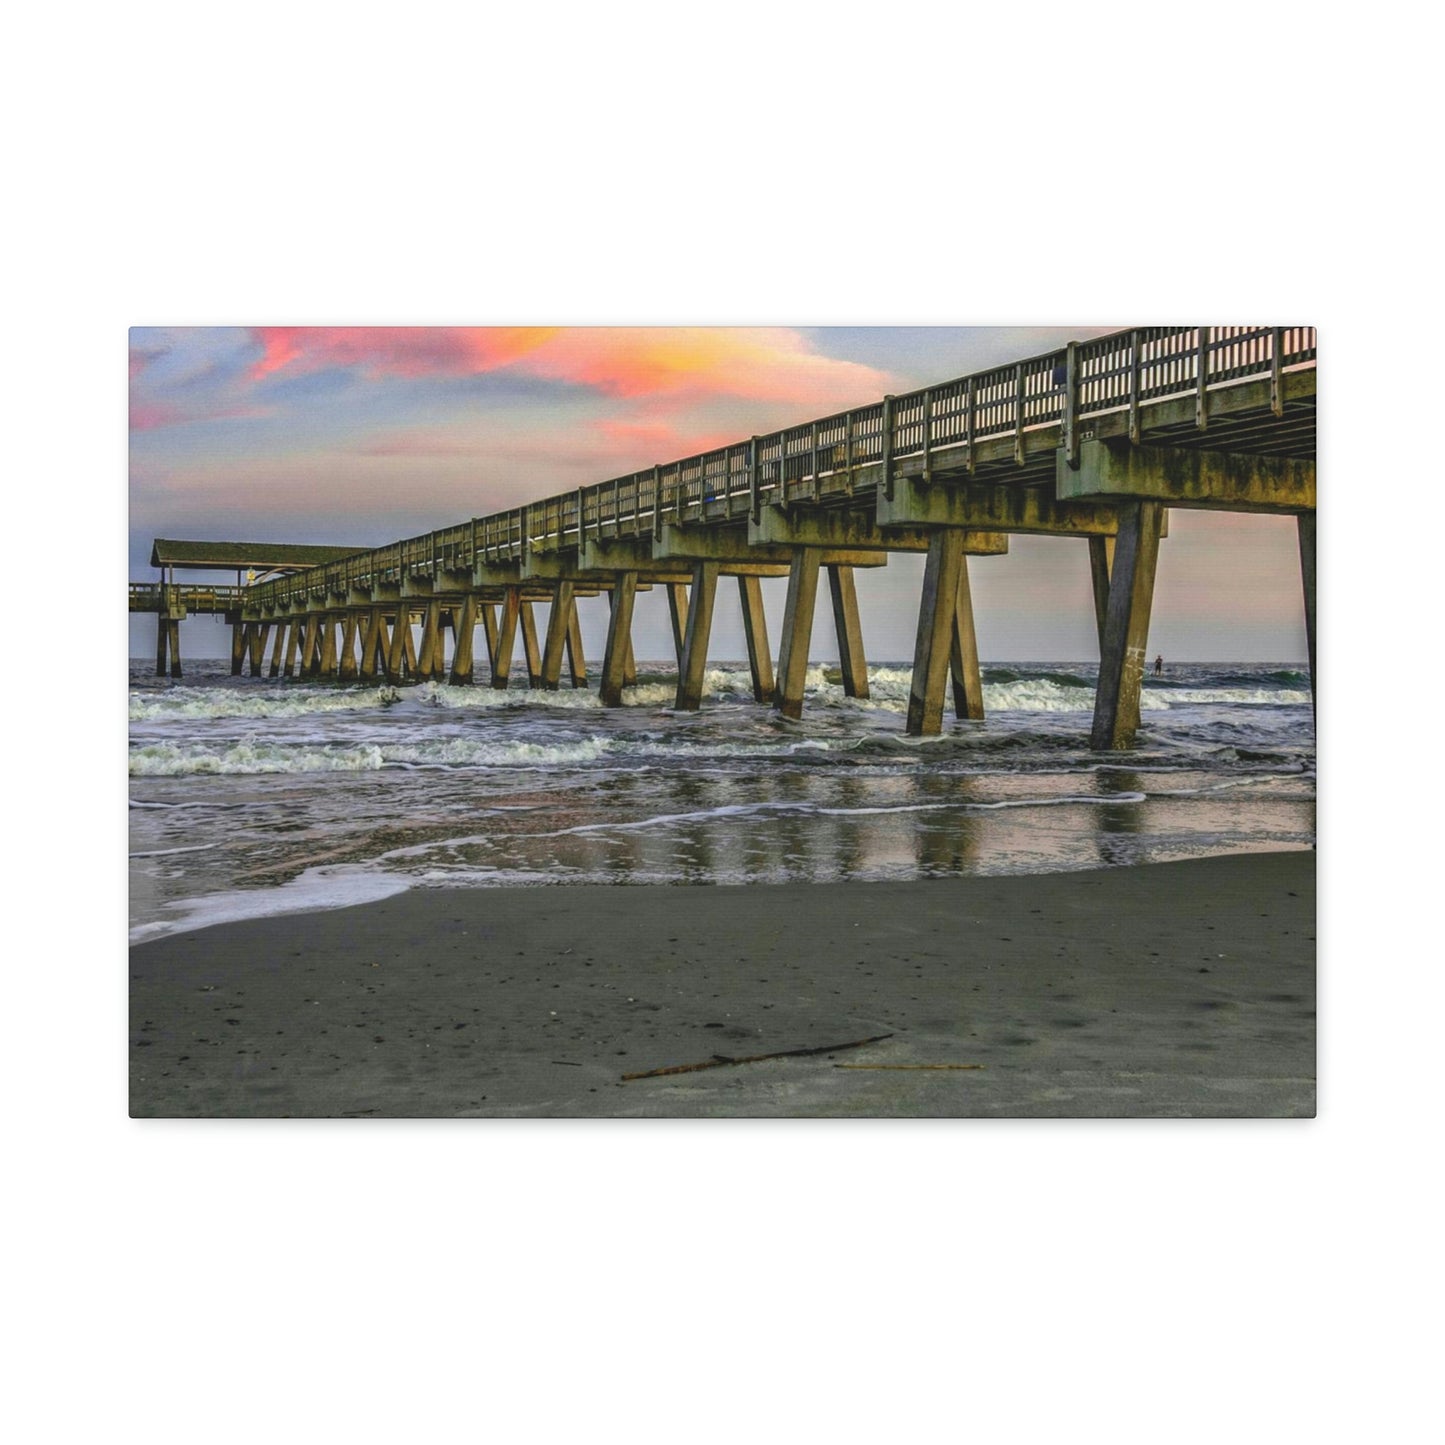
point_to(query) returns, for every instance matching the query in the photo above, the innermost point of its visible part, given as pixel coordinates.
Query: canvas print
(722, 722)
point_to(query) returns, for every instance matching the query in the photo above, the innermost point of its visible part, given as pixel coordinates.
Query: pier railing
(175, 598)
(1126, 372)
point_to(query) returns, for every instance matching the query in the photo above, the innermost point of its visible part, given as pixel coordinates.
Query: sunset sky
(358, 435)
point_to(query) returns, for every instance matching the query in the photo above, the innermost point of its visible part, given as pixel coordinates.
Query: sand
(1173, 989)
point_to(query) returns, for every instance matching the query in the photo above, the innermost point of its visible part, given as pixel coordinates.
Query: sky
(364, 435)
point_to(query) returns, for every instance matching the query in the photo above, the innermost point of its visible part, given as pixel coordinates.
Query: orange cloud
(757, 363)
(754, 363)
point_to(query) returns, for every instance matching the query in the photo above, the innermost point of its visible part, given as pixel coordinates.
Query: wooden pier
(1096, 441)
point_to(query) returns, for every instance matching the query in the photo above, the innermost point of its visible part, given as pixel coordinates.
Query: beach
(1179, 989)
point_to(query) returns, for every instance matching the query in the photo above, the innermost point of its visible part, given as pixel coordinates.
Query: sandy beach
(1174, 989)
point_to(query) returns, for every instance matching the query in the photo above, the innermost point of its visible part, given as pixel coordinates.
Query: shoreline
(1181, 989)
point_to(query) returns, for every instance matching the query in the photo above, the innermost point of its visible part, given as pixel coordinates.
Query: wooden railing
(148, 596)
(1125, 372)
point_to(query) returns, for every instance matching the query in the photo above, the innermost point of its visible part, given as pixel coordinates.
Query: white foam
(310, 892)
(282, 701)
(489, 699)
(170, 760)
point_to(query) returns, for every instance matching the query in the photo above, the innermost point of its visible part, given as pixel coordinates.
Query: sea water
(251, 796)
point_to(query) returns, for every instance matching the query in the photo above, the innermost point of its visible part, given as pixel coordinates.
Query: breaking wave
(199, 702)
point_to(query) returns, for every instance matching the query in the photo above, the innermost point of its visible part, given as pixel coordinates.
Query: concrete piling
(937, 623)
(465, 630)
(576, 662)
(755, 632)
(506, 637)
(693, 667)
(849, 630)
(1126, 633)
(963, 653)
(530, 650)
(677, 607)
(619, 639)
(797, 630)
(1101, 565)
(559, 620)
(1306, 525)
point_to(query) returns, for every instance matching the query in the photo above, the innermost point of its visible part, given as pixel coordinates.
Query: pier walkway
(1095, 441)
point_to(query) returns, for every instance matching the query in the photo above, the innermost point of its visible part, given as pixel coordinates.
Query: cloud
(382, 351)
(756, 363)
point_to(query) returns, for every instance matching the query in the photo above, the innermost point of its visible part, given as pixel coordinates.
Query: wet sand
(1169, 990)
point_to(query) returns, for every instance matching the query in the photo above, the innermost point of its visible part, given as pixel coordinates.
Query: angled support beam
(295, 630)
(328, 645)
(1101, 564)
(506, 637)
(396, 651)
(439, 643)
(347, 670)
(173, 637)
(937, 625)
(755, 631)
(426, 653)
(559, 619)
(849, 630)
(963, 654)
(1307, 574)
(530, 649)
(576, 661)
(238, 647)
(1126, 632)
(277, 648)
(693, 666)
(408, 647)
(371, 644)
(797, 630)
(1113, 469)
(489, 632)
(309, 646)
(619, 639)
(256, 656)
(464, 628)
(677, 607)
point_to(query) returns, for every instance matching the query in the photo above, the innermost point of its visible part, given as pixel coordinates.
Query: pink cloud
(754, 363)
(380, 351)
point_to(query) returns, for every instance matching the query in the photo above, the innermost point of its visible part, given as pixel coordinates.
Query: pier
(1096, 442)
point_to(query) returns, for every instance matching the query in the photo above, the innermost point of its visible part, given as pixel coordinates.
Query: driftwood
(908, 1066)
(719, 1060)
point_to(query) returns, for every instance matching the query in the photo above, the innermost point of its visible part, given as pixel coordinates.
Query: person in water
(1159, 665)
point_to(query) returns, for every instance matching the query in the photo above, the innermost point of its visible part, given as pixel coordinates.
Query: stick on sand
(718, 1060)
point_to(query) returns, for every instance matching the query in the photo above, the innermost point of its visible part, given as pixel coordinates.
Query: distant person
(1159, 665)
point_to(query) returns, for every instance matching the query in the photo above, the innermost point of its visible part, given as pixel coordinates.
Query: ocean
(251, 796)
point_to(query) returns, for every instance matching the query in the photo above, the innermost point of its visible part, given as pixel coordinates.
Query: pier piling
(797, 630)
(937, 621)
(619, 639)
(849, 630)
(1126, 632)
(755, 632)
(559, 620)
(693, 669)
